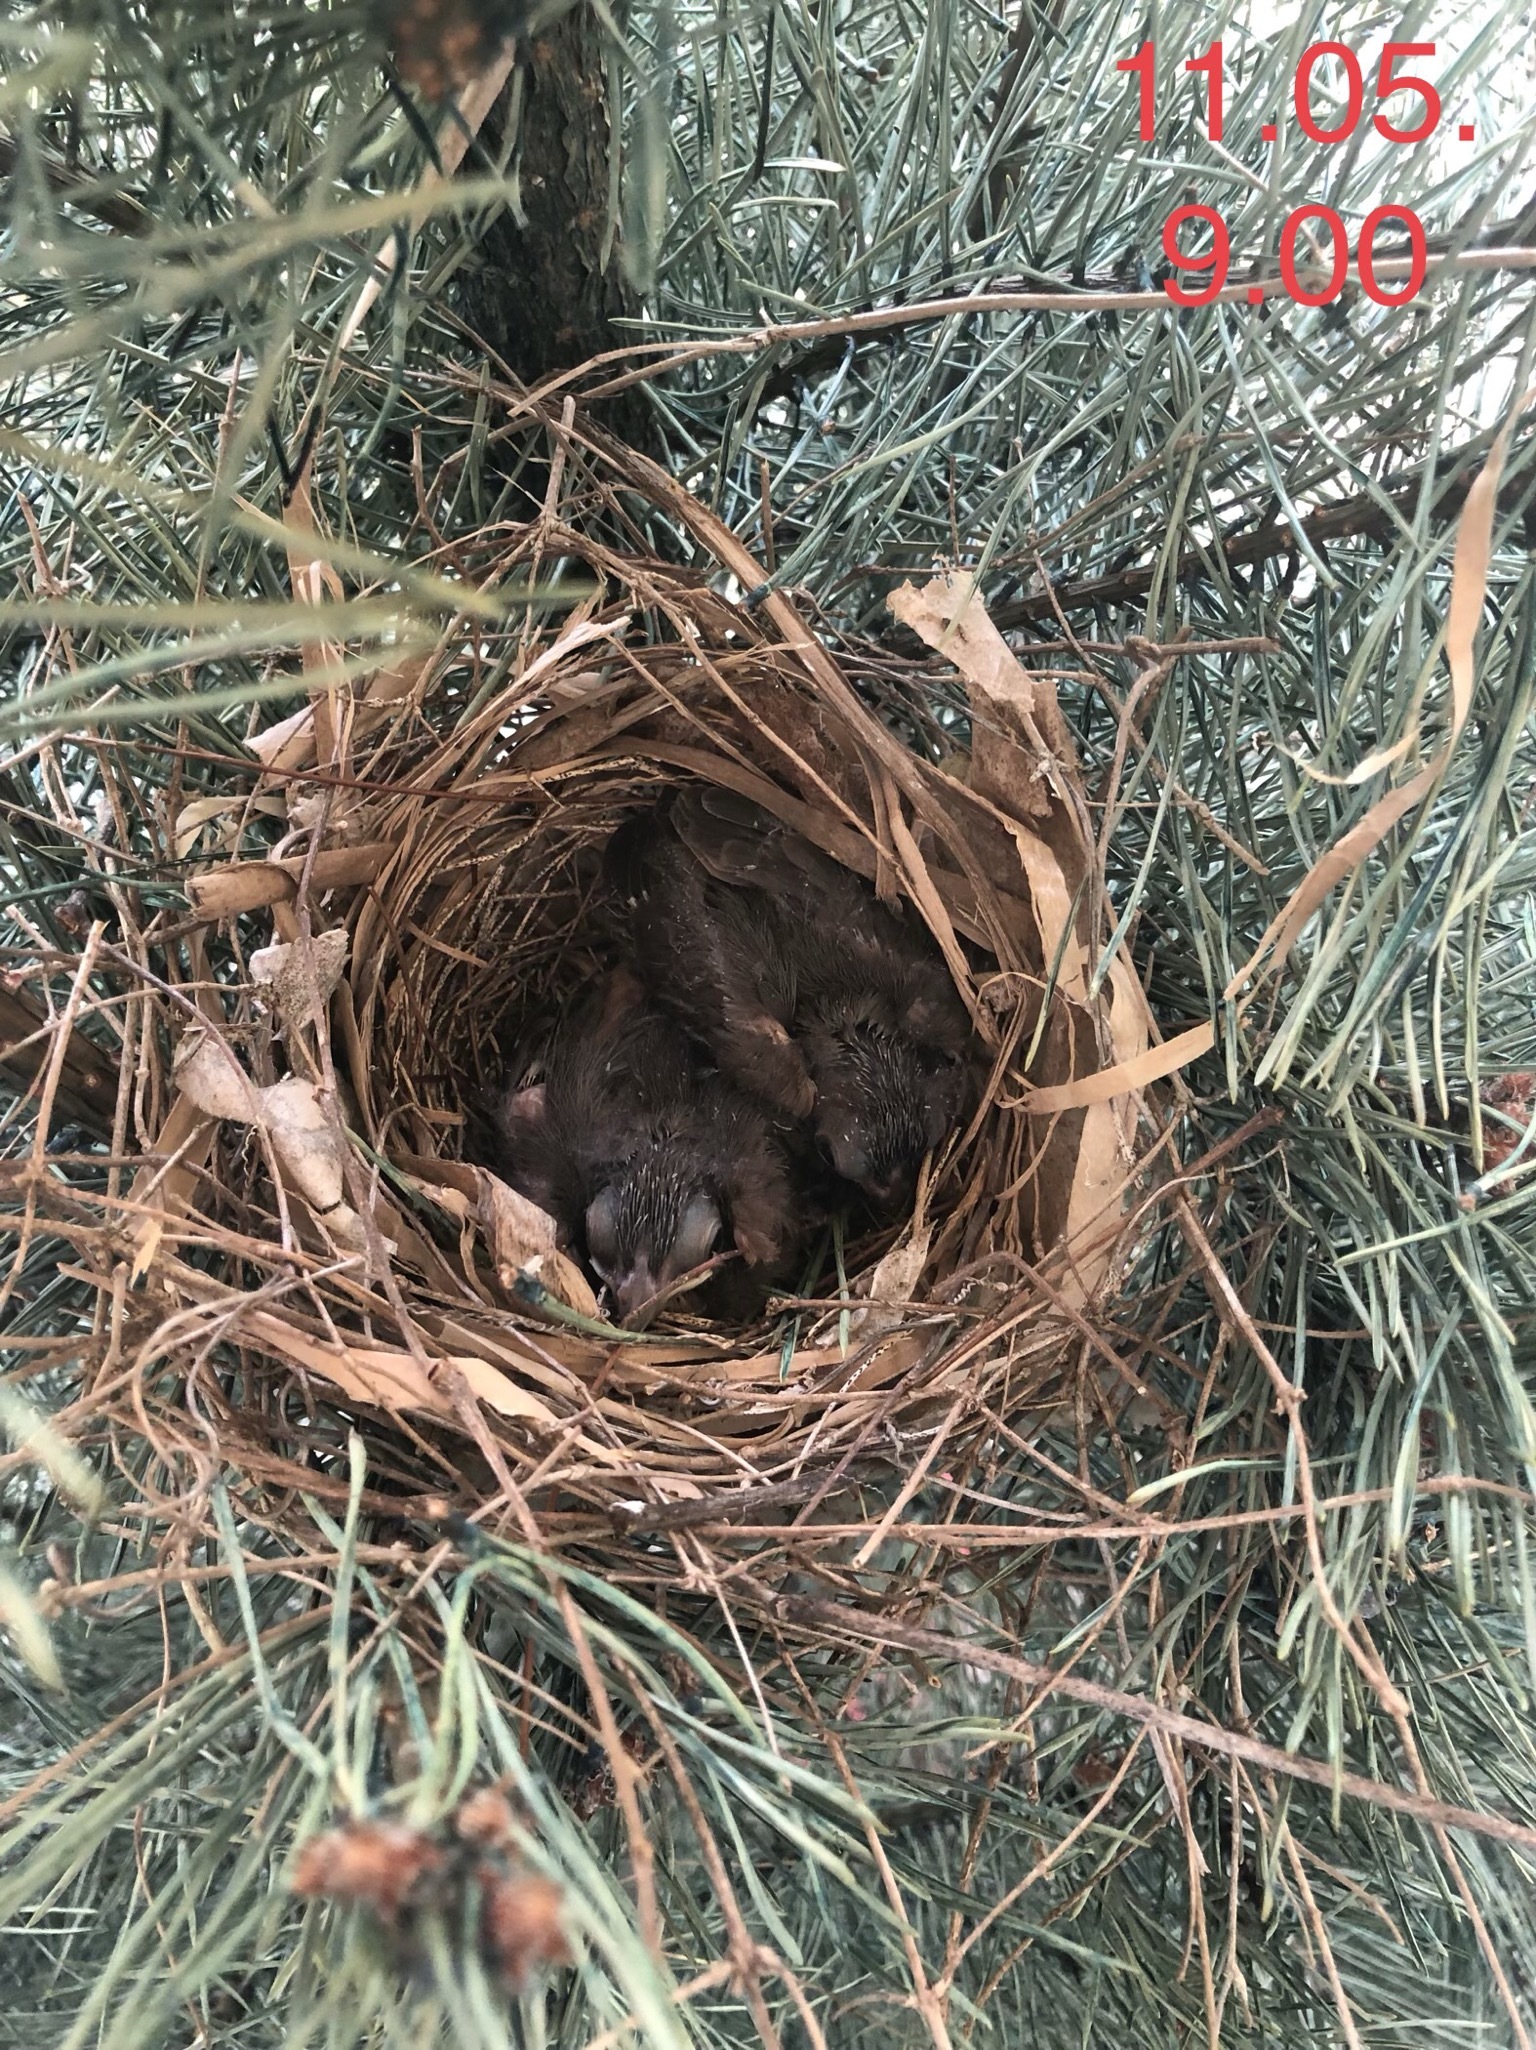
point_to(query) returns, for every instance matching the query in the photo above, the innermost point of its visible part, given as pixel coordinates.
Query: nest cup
(469, 833)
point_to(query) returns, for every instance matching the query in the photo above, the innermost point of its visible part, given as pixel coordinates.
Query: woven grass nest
(310, 1203)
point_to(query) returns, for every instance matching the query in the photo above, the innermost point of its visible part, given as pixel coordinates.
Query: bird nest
(311, 1228)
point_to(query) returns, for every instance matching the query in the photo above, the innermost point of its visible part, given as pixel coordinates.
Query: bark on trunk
(540, 292)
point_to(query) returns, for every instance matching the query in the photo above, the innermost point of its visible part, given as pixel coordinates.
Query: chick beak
(637, 1297)
(890, 1192)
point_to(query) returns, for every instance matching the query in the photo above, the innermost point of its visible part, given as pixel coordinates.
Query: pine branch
(1377, 515)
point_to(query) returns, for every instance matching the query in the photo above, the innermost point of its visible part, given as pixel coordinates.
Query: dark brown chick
(810, 994)
(649, 1162)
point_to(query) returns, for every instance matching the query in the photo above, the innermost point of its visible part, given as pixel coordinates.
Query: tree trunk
(541, 293)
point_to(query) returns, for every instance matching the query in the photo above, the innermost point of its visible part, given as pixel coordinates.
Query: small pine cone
(521, 1924)
(379, 1864)
(440, 45)
(1515, 1096)
(486, 1819)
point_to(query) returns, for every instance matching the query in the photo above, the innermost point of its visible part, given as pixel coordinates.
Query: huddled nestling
(776, 1043)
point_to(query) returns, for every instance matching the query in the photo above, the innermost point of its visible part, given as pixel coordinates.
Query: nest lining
(485, 913)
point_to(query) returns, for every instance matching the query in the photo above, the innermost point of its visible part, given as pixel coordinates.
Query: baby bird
(649, 1162)
(810, 994)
